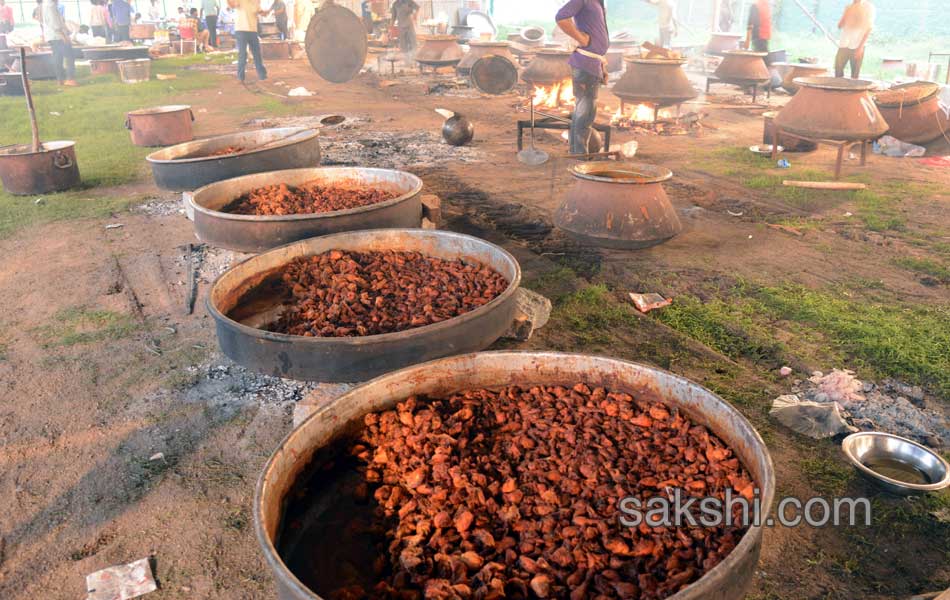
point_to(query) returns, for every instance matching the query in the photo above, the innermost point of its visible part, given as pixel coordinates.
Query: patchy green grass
(18, 212)
(592, 314)
(827, 475)
(80, 325)
(925, 266)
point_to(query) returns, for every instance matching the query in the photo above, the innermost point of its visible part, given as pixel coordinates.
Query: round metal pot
(618, 205)
(918, 119)
(832, 108)
(160, 126)
(656, 81)
(138, 70)
(115, 52)
(292, 461)
(53, 169)
(276, 50)
(251, 233)
(104, 67)
(39, 66)
(742, 67)
(463, 32)
(188, 166)
(11, 84)
(439, 51)
(615, 58)
(789, 144)
(478, 49)
(358, 358)
(719, 43)
(791, 71)
(548, 67)
(458, 130)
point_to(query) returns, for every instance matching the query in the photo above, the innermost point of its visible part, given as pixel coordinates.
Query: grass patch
(829, 477)
(592, 314)
(18, 212)
(925, 266)
(78, 325)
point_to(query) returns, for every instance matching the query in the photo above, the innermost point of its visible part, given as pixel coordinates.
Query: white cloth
(858, 21)
(246, 17)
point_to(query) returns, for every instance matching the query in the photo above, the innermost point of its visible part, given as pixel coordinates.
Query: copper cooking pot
(618, 205)
(657, 81)
(743, 67)
(478, 49)
(721, 42)
(439, 51)
(548, 67)
(160, 126)
(913, 111)
(791, 71)
(832, 108)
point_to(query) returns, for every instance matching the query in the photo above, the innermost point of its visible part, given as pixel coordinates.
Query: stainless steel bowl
(880, 457)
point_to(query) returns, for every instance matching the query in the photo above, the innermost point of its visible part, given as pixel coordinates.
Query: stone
(533, 313)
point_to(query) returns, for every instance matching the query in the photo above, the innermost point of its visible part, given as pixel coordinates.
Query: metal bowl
(870, 450)
(347, 359)
(729, 580)
(253, 233)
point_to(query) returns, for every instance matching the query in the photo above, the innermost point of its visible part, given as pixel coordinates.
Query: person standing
(6, 17)
(759, 27)
(209, 10)
(245, 34)
(121, 19)
(404, 17)
(666, 21)
(856, 25)
(586, 22)
(56, 34)
(279, 9)
(154, 12)
(98, 19)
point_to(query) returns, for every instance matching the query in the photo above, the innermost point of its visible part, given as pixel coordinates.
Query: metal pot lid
(835, 84)
(481, 23)
(907, 94)
(623, 173)
(745, 53)
(156, 110)
(336, 43)
(553, 52)
(494, 75)
(655, 61)
(737, 36)
(489, 44)
(440, 37)
(532, 33)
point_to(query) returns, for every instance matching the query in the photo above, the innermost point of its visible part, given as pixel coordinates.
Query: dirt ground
(125, 434)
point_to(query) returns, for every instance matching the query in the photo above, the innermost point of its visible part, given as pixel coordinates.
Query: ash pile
(391, 150)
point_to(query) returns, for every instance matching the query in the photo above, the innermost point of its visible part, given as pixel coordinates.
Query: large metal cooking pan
(188, 167)
(250, 233)
(360, 358)
(728, 580)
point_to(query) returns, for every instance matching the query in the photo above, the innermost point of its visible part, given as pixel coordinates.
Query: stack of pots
(439, 51)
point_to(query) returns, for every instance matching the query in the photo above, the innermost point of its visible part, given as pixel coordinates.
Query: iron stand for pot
(839, 144)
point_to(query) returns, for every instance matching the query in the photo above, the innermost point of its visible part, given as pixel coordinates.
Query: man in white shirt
(57, 35)
(666, 21)
(245, 35)
(856, 25)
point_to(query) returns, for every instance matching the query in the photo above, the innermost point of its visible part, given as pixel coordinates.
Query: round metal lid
(336, 43)
(625, 173)
(907, 94)
(494, 75)
(489, 44)
(835, 84)
(655, 61)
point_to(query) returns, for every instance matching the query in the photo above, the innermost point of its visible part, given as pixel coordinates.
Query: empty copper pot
(832, 108)
(721, 42)
(743, 67)
(52, 169)
(160, 126)
(478, 49)
(791, 71)
(439, 51)
(913, 112)
(657, 81)
(548, 67)
(618, 205)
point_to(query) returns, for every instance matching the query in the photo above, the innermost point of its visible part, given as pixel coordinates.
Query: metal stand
(942, 54)
(840, 145)
(754, 87)
(550, 122)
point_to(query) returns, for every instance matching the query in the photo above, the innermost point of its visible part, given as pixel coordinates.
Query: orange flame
(555, 96)
(640, 113)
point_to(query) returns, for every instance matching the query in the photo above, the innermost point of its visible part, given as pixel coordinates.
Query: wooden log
(826, 185)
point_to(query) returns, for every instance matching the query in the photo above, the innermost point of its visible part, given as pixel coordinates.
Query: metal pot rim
(316, 171)
(800, 65)
(726, 34)
(273, 558)
(47, 147)
(913, 102)
(646, 174)
(552, 52)
(134, 60)
(655, 61)
(367, 340)
(440, 37)
(745, 53)
(159, 110)
(290, 139)
(847, 446)
(835, 84)
(489, 44)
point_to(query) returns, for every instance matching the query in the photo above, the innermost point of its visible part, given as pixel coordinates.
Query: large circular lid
(494, 75)
(336, 43)
(655, 61)
(625, 173)
(834, 84)
(907, 94)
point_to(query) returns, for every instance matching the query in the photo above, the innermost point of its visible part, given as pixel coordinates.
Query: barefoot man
(586, 22)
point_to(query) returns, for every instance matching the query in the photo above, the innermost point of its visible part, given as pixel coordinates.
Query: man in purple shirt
(586, 22)
(121, 19)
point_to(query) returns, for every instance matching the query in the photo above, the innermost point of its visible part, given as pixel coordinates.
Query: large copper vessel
(832, 108)
(548, 67)
(657, 81)
(913, 112)
(742, 67)
(721, 42)
(160, 125)
(478, 49)
(618, 205)
(439, 51)
(792, 71)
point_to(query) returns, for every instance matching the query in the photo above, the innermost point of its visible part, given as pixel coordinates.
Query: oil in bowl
(898, 470)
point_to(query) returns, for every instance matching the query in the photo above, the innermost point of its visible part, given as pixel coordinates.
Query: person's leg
(586, 86)
(666, 36)
(240, 38)
(70, 55)
(841, 59)
(212, 22)
(58, 48)
(255, 42)
(123, 33)
(857, 59)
